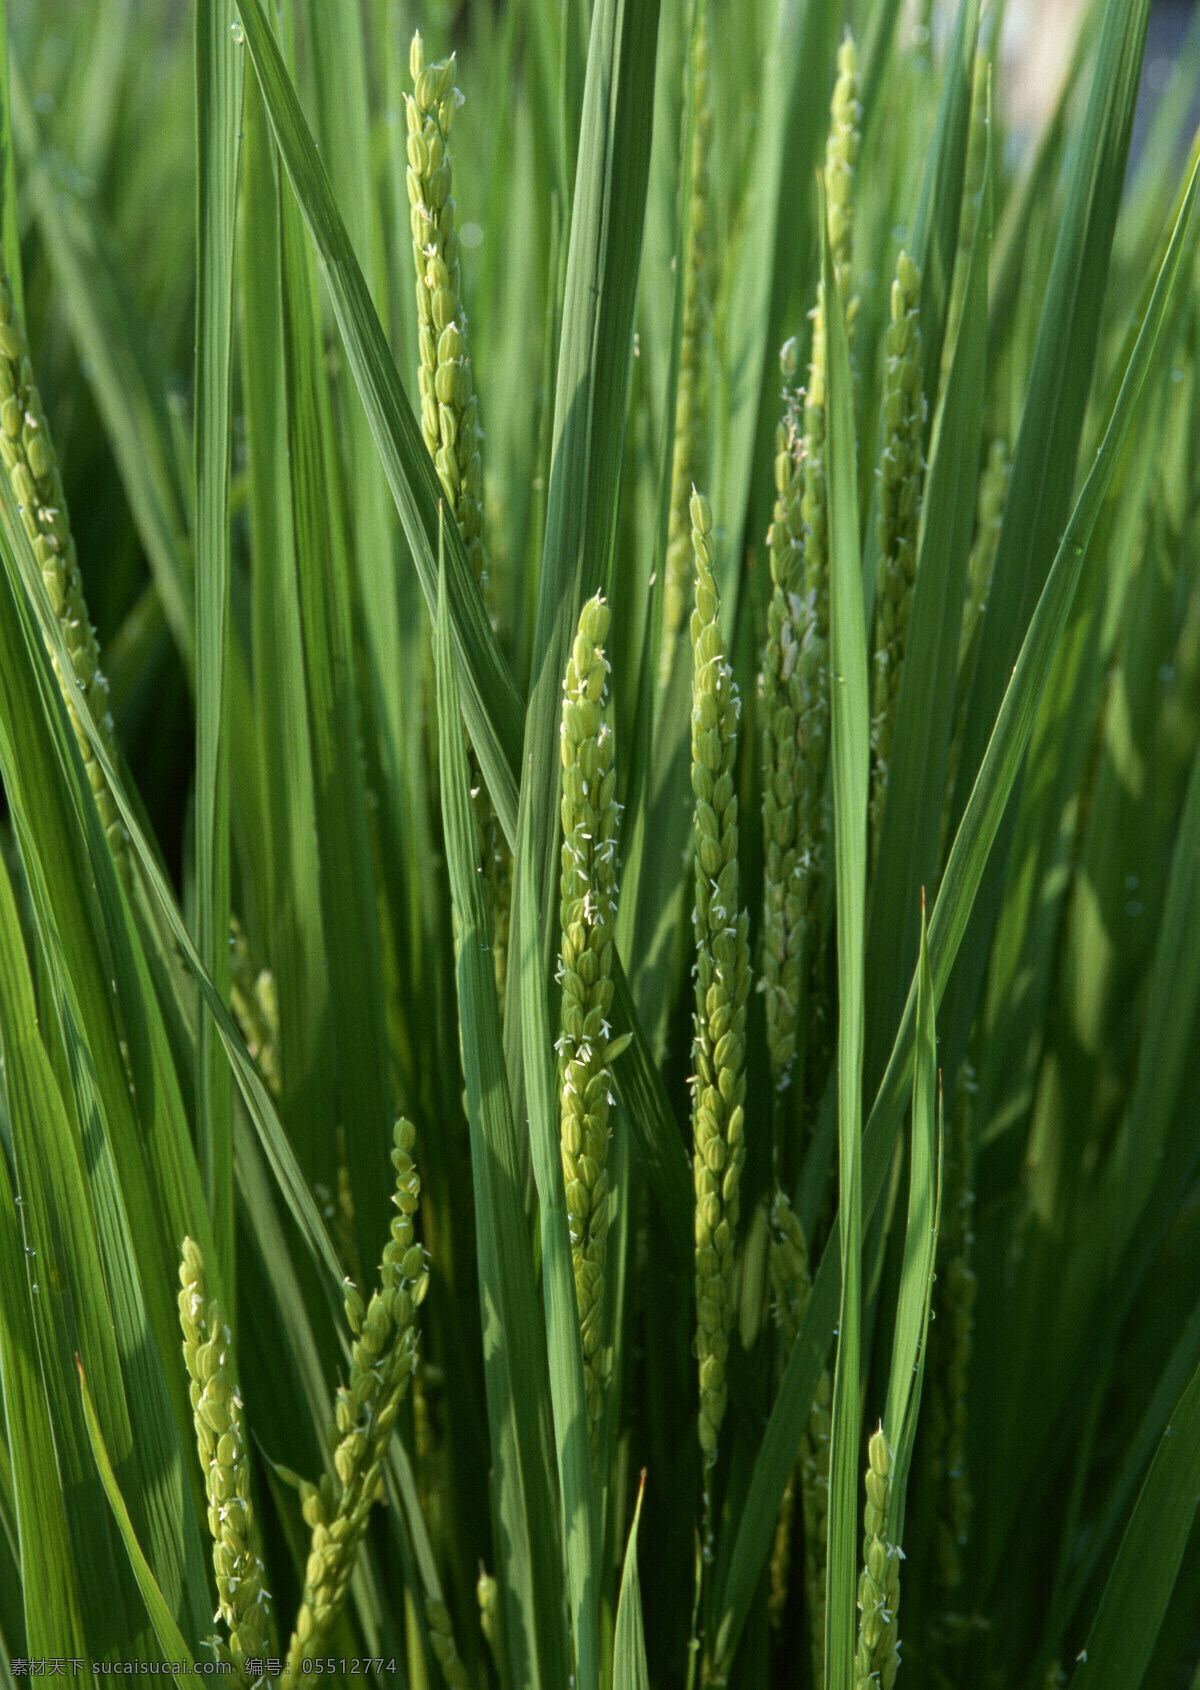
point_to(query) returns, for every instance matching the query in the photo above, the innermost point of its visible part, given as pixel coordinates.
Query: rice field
(599, 846)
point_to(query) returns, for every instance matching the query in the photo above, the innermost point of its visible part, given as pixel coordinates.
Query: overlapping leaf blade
(964, 872)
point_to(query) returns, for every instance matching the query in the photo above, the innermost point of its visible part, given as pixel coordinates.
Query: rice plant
(599, 847)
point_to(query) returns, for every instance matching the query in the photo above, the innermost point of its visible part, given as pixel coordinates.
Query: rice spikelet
(33, 473)
(449, 407)
(445, 1649)
(793, 689)
(901, 467)
(841, 158)
(878, 1656)
(449, 412)
(255, 1005)
(687, 462)
(221, 1442)
(383, 1357)
(588, 911)
(722, 985)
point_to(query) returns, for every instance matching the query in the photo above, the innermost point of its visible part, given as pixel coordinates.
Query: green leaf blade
(849, 764)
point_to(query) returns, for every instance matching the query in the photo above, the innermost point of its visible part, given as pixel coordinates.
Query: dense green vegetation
(598, 962)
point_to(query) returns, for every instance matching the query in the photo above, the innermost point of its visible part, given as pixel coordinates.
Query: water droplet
(235, 29)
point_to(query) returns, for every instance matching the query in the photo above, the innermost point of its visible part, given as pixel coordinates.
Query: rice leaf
(65, 1288)
(1055, 968)
(960, 884)
(1030, 191)
(777, 248)
(50, 1587)
(591, 395)
(491, 705)
(1044, 458)
(520, 1417)
(144, 1179)
(218, 129)
(630, 1671)
(1174, 992)
(933, 241)
(1135, 1598)
(878, 45)
(349, 912)
(580, 1521)
(10, 243)
(1066, 728)
(291, 935)
(849, 761)
(911, 1328)
(105, 324)
(936, 223)
(1184, 1359)
(337, 51)
(917, 767)
(93, 1222)
(659, 1140)
(54, 870)
(170, 1638)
